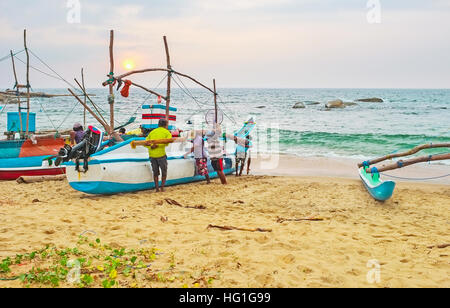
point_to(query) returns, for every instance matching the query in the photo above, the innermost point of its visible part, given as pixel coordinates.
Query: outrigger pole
(404, 163)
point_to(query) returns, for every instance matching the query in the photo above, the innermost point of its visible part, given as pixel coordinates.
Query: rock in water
(370, 100)
(350, 104)
(299, 105)
(261, 107)
(335, 104)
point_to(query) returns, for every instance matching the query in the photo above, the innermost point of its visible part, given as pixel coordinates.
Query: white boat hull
(122, 169)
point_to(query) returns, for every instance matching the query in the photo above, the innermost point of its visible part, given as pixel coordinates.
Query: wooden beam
(194, 80)
(148, 90)
(137, 72)
(84, 91)
(404, 163)
(18, 95)
(87, 96)
(408, 153)
(106, 126)
(111, 87)
(215, 101)
(28, 82)
(169, 79)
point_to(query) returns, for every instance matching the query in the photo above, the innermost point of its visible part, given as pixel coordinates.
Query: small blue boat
(380, 190)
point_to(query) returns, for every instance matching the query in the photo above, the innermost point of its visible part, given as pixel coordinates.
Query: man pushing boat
(156, 142)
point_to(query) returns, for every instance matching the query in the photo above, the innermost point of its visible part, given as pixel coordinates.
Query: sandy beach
(333, 252)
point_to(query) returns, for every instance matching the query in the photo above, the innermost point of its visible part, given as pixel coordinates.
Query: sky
(240, 43)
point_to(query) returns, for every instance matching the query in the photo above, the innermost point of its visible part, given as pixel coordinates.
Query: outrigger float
(371, 175)
(93, 168)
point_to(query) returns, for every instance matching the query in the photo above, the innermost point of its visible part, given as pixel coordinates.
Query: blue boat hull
(381, 191)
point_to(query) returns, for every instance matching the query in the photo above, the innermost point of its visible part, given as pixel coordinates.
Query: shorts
(202, 166)
(240, 160)
(217, 164)
(159, 163)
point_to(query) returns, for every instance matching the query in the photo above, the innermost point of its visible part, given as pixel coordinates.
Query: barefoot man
(157, 152)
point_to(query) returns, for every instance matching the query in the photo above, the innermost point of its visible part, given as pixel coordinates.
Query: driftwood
(408, 153)
(42, 178)
(281, 220)
(404, 163)
(228, 228)
(174, 202)
(440, 246)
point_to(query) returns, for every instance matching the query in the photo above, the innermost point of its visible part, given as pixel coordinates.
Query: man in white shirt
(216, 152)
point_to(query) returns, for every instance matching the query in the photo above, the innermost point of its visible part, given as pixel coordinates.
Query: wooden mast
(28, 82)
(169, 79)
(215, 102)
(18, 95)
(111, 75)
(84, 91)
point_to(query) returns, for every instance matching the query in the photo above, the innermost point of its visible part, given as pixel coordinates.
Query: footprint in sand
(288, 259)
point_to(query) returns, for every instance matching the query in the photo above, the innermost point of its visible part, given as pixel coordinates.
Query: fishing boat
(124, 167)
(24, 153)
(371, 176)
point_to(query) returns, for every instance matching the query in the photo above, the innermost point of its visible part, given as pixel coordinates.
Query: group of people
(205, 145)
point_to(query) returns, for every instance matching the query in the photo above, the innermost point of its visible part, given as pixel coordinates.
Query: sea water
(406, 118)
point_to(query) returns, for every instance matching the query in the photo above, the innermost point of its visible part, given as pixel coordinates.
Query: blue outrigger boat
(371, 176)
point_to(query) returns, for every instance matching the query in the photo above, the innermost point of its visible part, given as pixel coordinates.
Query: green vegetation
(92, 264)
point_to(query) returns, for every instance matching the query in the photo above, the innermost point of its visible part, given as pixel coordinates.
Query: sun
(128, 64)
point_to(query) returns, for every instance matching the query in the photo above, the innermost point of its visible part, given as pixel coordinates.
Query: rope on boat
(9, 55)
(42, 61)
(38, 70)
(416, 179)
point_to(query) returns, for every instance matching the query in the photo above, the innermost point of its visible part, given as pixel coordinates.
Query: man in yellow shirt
(157, 141)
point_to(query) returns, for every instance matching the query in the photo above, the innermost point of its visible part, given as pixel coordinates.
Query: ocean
(406, 118)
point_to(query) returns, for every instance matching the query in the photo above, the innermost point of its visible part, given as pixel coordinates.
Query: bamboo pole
(408, 153)
(106, 126)
(84, 91)
(87, 96)
(138, 72)
(17, 92)
(111, 88)
(194, 80)
(148, 90)
(404, 163)
(169, 79)
(28, 81)
(215, 102)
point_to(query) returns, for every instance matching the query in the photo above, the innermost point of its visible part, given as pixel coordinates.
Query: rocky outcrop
(370, 100)
(335, 104)
(299, 105)
(261, 107)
